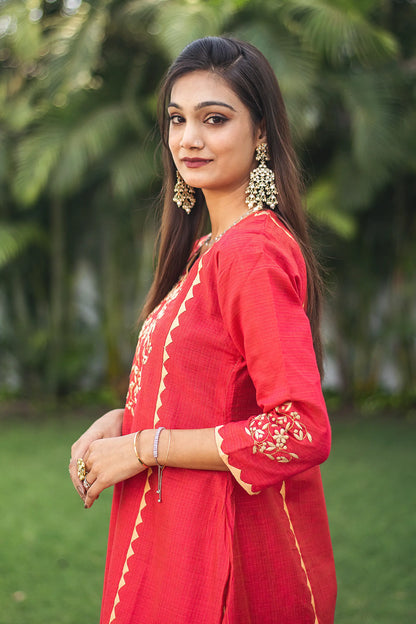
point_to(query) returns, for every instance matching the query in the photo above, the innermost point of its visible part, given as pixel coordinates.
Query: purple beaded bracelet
(159, 466)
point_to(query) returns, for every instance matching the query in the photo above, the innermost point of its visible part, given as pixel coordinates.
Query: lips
(194, 163)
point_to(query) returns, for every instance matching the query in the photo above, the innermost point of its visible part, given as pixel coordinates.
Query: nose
(191, 138)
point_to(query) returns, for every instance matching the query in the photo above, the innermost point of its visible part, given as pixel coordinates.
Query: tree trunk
(57, 293)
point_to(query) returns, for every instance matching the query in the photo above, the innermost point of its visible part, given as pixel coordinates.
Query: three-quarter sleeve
(262, 290)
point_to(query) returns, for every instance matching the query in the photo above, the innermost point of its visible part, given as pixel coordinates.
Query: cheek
(173, 137)
(171, 142)
(173, 148)
(237, 145)
(240, 155)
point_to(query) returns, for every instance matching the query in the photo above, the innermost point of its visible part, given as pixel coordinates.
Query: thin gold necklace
(211, 241)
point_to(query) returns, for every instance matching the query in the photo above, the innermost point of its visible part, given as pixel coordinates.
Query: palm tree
(80, 112)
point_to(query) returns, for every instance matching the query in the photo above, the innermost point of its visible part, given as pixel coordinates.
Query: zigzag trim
(130, 551)
(175, 324)
(236, 472)
(139, 519)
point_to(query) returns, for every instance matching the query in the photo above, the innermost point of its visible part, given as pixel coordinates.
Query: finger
(73, 472)
(76, 483)
(88, 482)
(89, 500)
(82, 470)
(81, 492)
(92, 493)
(75, 477)
(79, 448)
(86, 454)
(89, 457)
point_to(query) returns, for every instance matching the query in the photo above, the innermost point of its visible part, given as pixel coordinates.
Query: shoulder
(198, 244)
(261, 241)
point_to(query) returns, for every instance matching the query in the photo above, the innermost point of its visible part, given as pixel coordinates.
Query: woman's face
(212, 137)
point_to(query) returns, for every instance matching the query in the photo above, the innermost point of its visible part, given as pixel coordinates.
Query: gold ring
(82, 471)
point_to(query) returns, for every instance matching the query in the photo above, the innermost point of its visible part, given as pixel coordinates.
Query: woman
(218, 512)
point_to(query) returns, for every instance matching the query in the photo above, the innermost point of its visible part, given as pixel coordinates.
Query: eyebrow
(204, 105)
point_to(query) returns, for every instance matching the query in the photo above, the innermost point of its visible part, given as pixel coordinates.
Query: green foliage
(322, 205)
(78, 154)
(14, 238)
(340, 31)
(22, 34)
(59, 153)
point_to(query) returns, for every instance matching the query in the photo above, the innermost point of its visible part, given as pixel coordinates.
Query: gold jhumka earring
(262, 188)
(184, 196)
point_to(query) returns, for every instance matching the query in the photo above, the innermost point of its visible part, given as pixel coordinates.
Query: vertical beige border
(283, 494)
(139, 519)
(175, 324)
(134, 536)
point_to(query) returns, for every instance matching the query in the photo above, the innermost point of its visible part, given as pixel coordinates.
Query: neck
(224, 208)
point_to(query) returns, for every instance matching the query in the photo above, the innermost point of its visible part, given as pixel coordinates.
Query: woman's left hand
(109, 461)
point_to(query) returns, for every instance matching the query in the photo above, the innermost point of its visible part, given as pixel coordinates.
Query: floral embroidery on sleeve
(270, 432)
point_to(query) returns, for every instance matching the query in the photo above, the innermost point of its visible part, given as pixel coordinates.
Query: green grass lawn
(371, 500)
(53, 550)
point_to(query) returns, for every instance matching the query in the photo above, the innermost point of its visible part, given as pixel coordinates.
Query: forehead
(203, 86)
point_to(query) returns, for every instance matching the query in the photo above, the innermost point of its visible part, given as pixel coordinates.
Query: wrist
(136, 448)
(145, 444)
(109, 425)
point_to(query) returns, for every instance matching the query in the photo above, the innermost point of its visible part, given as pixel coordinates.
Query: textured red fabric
(230, 348)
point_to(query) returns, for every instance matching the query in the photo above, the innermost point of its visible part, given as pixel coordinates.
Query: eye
(176, 119)
(216, 120)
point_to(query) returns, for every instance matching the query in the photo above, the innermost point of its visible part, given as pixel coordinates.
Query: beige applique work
(271, 432)
(144, 346)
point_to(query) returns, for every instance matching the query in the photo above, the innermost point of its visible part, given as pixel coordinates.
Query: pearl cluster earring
(262, 188)
(184, 196)
(260, 191)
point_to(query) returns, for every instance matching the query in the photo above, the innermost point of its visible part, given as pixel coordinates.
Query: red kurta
(230, 347)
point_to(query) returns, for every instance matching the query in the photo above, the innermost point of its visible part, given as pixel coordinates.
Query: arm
(189, 448)
(262, 290)
(112, 460)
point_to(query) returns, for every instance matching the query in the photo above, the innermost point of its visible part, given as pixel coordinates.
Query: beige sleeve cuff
(236, 472)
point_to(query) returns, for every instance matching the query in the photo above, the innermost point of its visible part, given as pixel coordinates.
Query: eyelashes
(212, 120)
(176, 119)
(216, 120)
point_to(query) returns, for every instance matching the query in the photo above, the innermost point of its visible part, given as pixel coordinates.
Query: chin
(195, 181)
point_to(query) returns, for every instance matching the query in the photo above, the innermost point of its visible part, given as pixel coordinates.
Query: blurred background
(79, 184)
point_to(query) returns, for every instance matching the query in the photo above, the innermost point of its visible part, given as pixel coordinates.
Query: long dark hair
(250, 76)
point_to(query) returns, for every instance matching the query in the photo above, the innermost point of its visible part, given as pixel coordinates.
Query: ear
(261, 132)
